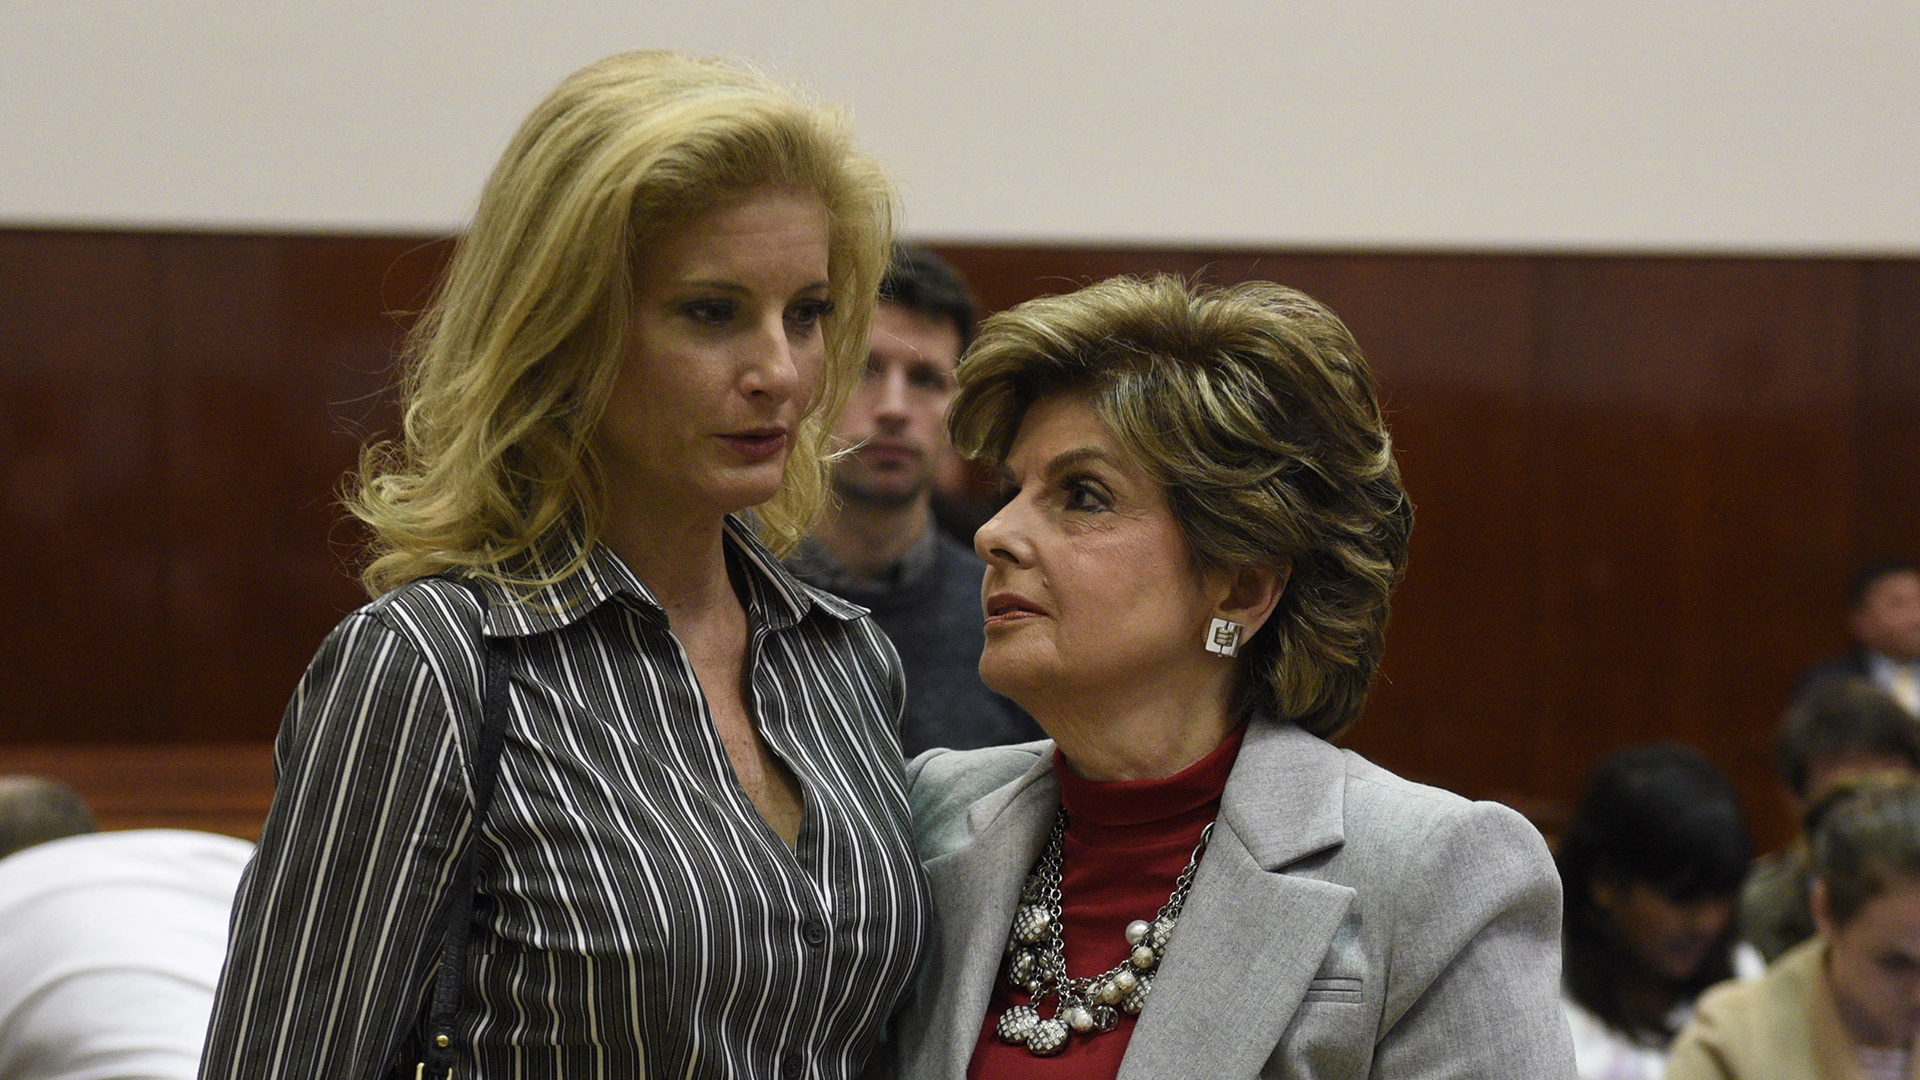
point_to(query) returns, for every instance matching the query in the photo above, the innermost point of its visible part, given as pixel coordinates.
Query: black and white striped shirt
(635, 916)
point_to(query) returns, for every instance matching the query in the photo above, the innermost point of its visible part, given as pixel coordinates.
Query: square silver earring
(1223, 637)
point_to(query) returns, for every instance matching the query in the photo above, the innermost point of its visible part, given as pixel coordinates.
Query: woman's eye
(810, 312)
(1082, 495)
(710, 312)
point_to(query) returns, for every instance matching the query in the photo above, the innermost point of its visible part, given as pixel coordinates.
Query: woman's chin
(1013, 677)
(744, 491)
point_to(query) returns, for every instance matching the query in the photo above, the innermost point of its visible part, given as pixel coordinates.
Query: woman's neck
(1137, 726)
(1145, 742)
(681, 560)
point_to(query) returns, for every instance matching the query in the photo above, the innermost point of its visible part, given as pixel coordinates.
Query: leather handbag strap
(449, 976)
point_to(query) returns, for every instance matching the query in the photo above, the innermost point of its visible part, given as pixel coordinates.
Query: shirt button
(791, 1066)
(815, 933)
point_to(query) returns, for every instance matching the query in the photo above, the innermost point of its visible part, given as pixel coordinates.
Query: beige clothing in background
(1782, 1027)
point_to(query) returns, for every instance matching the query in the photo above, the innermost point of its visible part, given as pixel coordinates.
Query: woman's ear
(1251, 594)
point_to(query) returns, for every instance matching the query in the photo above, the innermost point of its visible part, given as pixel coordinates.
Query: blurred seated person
(1883, 617)
(34, 809)
(1838, 730)
(110, 943)
(1649, 866)
(1844, 1005)
(878, 546)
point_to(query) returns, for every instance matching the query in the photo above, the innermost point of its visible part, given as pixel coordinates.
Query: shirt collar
(774, 598)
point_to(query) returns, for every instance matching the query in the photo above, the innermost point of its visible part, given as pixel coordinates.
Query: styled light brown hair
(1867, 841)
(1252, 407)
(509, 369)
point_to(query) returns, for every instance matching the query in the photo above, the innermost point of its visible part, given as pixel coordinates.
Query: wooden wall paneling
(1697, 499)
(215, 787)
(1004, 276)
(1889, 412)
(1449, 339)
(1640, 482)
(80, 618)
(278, 353)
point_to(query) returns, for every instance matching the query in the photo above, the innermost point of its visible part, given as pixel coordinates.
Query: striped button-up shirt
(635, 916)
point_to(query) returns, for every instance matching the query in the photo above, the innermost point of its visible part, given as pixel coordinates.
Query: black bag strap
(449, 976)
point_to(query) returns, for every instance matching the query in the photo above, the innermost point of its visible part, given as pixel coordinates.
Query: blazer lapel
(975, 890)
(1250, 939)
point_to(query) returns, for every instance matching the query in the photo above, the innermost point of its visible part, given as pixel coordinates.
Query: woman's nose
(771, 367)
(1001, 540)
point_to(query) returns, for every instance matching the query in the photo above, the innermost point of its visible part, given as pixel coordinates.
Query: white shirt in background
(110, 946)
(1606, 1053)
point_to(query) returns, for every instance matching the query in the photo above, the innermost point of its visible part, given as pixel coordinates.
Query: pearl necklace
(1037, 958)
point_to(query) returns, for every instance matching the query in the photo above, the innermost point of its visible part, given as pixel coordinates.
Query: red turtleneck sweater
(1127, 841)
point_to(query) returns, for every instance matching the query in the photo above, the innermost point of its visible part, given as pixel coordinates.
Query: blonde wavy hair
(508, 370)
(1252, 407)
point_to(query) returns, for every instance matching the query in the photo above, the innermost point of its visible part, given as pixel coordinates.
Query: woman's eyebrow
(1079, 455)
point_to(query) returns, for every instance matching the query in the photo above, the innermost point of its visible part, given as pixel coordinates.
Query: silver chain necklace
(1037, 958)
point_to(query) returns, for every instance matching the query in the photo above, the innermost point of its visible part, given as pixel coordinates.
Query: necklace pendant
(1136, 998)
(1017, 1024)
(1048, 1038)
(1020, 968)
(1079, 1018)
(1030, 923)
(1160, 933)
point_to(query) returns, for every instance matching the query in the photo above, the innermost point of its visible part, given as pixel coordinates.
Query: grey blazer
(1344, 923)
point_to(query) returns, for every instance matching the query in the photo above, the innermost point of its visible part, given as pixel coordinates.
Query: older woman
(1844, 1005)
(1188, 590)
(696, 860)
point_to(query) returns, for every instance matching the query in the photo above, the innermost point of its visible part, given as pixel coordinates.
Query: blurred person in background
(1883, 617)
(110, 942)
(1844, 1005)
(1650, 865)
(878, 546)
(34, 809)
(1839, 730)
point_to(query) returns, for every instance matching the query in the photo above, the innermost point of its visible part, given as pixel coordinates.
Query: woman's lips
(1007, 609)
(758, 444)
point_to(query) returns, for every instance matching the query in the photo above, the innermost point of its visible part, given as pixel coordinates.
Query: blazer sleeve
(1474, 985)
(333, 930)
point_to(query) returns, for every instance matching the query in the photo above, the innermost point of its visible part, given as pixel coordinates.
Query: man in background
(1883, 616)
(34, 810)
(1840, 731)
(878, 546)
(110, 942)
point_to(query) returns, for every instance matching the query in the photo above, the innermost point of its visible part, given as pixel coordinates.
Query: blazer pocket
(1337, 988)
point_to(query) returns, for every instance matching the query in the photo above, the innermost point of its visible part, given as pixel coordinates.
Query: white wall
(1757, 126)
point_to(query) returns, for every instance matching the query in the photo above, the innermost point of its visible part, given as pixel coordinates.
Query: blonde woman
(1188, 591)
(1845, 1004)
(696, 860)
